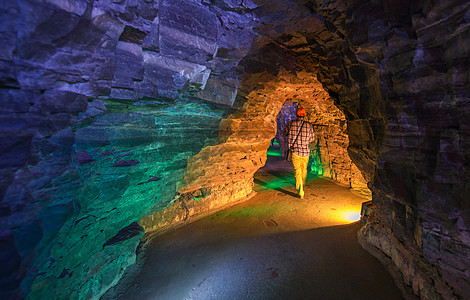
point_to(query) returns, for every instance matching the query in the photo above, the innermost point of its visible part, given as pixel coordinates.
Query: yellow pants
(300, 171)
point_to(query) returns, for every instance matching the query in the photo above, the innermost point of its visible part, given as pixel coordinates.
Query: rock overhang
(364, 56)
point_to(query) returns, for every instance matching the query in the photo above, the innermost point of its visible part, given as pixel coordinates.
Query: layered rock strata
(402, 89)
(329, 156)
(223, 173)
(97, 122)
(420, 50)
(100, 127)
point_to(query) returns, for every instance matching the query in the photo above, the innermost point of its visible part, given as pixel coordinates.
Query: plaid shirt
(305, 137)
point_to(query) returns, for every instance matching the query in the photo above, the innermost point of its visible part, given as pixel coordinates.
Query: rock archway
(330, 157)
(103, 102)
(223, 173)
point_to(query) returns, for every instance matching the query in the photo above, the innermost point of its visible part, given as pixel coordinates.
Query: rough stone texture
(420, 187)
(396, 71)
(329, 158)
(288, 113)
(72, 191)
(97, 105)
(223, 173)
(96, 125)
(129, 165)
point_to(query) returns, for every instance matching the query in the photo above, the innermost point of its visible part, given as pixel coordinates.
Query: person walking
(299, 134)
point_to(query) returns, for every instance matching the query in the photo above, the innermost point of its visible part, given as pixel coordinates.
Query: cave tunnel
(132, 123)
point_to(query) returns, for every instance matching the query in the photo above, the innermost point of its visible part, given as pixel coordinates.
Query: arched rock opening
(223, 173)
(330, 157)
(82, 81)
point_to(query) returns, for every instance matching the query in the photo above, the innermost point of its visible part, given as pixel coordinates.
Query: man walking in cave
(299, 134)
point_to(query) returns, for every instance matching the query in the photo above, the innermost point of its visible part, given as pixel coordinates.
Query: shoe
(301, 194)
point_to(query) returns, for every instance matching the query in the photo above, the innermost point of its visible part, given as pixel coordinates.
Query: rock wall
(223, 173)
(330, 157)
(97, 122)
(106, 106)
(73, 204)
(418, 135)
(288, 113)
(427, 133)
(397, 73)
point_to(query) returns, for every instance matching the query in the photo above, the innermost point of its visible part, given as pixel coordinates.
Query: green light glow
(101, 198)
(276, 184)
(316, 166)
(273, 153)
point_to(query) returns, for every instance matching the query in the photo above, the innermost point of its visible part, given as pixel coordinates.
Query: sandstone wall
(330, 157)
(223, 173)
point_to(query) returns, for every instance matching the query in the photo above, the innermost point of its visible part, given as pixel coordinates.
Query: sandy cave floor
(273, 246)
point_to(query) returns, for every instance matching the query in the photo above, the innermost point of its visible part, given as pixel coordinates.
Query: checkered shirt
(305, 137)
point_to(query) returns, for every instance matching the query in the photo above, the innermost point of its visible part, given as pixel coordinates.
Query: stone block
(107, 23)
(235, 36)
(142, 89)
(148, 9)
(95, 108)
(221, 89)
(187, 31)
(152, 40)
(52, 102)
(39, 27)
(129, 65)
(164, 76)
(32, 78)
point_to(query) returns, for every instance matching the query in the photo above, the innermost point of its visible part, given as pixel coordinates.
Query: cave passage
(273, 246)
(127, 119)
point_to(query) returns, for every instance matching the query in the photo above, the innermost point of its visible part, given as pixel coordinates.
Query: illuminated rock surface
(118, 113)
(273, 246)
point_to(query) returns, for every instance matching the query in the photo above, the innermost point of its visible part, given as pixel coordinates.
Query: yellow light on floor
(351, 216)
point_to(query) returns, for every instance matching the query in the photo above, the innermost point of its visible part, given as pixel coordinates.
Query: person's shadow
(279, 189)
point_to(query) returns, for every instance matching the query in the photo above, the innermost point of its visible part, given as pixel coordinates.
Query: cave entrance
(278, 145)
(329, 158)
(330, 168)
(330, 203)
(281, 171)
